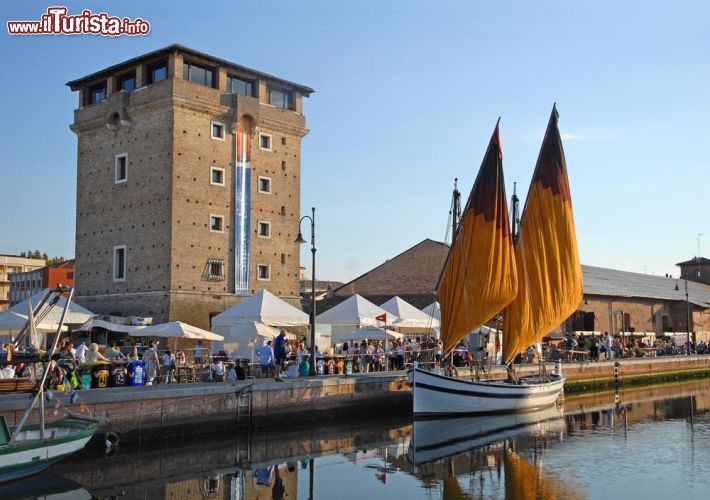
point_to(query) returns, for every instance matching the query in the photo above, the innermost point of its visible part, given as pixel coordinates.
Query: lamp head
(299, 239)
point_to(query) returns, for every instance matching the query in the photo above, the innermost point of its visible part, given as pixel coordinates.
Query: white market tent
(351, 314)
(112, 327)
(250, 324)
(263, 307)
(243, 339)
(174, 329)
(15, 318)
(409, 316)
(372, 333)
(433, 310)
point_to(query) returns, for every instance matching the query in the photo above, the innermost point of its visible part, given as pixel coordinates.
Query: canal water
(651, 442)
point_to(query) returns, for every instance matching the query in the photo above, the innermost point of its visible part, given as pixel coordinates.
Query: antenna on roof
(698, 239)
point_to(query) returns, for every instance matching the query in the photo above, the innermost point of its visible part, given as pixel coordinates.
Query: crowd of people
(283, 358)
(606, 347)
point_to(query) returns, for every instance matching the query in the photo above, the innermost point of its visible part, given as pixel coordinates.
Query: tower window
(263, 272)
(97, 93)
(198, 74)
(265, 142)
(121, 168)
(264, 185)
(119, 263)
(216, 223)
(215, 270)
(240, 86)
(217, 176)
(218, 131)
(264, 230)
(126, 82)
(280, 98)
(157, 72)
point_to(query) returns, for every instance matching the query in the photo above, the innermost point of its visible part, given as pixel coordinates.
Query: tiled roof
(603, 281)
(694, 260)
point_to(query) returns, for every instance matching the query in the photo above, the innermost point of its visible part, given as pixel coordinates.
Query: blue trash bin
(136, 373)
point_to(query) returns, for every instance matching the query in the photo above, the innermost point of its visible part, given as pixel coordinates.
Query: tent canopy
(409, 316)
(262, 307)
(15, 318)
(354, 311)
(112, 327)
(241, 340)
(371, 333)
(174, 329)
(433, 310)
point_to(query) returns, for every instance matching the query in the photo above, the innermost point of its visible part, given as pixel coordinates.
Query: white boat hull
(437, 438)
(435, 394)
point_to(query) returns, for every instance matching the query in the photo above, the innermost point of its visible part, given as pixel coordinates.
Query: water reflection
(650, 442)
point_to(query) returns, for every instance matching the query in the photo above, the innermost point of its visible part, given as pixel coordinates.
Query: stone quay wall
(144, 413)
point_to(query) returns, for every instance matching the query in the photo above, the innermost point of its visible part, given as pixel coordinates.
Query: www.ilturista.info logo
(56, 22)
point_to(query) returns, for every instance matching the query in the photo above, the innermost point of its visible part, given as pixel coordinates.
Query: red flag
(382, 317)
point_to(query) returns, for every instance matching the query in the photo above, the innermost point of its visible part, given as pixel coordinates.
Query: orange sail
(479, 277)
(550, 287)
(525, 481)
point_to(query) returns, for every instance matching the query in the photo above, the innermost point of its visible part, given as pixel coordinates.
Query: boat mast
(515, 233)
(50, 355)
(514, 202)
(455, 211)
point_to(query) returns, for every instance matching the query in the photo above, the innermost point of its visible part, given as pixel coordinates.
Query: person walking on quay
(152, 363)
(302, 351)
(168, 366)
(364, 360)
(279, 354)
(593, 348)
(304, 368)
(266, 358)
(198, 352)
(399, 355)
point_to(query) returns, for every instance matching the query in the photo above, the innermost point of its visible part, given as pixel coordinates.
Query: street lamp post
(300, 240)
(687, 317)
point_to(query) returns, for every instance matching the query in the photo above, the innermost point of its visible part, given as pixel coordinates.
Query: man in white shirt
(198, 352)
(81, 352)
(266, 358)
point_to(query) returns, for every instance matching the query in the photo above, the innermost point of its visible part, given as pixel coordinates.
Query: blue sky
(407, 94)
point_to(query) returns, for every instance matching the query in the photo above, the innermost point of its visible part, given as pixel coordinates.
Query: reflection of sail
(453, 490)
(525, 481)
(438, 438)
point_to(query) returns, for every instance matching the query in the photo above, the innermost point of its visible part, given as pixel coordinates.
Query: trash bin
(118, 376)
(136, 373)
(99, 377)
(85, 381)
(349, 367)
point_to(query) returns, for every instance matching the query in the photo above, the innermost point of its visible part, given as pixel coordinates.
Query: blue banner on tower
(242, 197)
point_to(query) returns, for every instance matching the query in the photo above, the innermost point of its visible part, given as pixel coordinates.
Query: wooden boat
(31, 453)
(433, 439)
(434, 394)
(29, 449)
(533, 275)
